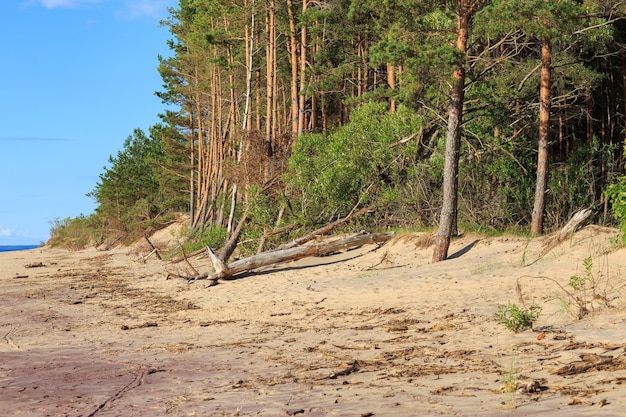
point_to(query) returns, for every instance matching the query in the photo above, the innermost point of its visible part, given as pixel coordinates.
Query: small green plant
(523, 261)
(579, 283)
(509, 378)
(616, 194)
(515, 318)
(583, 291)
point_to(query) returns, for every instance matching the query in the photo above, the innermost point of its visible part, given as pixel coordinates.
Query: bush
(515, 318)
(616, 194)
(361, 163)
(75, 233)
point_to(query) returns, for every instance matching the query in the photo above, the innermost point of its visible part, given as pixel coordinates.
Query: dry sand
(376, 331)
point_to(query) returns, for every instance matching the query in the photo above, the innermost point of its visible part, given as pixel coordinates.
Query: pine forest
(283, 116)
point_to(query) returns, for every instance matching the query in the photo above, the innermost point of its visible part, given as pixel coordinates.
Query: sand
(375, 331)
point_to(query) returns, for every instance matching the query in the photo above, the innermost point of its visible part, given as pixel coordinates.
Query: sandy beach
(374, 331)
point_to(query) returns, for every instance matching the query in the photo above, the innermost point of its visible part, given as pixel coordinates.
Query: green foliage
(366, 162)
(616, 194)
(579, 283)
(75, 233)
(213, 236)
(515, 318)
(583, 291)
(129, 190)
(362, 163)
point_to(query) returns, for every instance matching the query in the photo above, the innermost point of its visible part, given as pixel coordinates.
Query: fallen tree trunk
(298, 242)
(154, 249)
(324, 230)
(231, 244)
(223, 271)
(565, 233)
(571, 226)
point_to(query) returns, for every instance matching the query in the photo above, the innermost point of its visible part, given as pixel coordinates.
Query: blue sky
(78, 76)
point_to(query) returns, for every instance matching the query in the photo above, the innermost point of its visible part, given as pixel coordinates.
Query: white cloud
(14, 236)
(127, 9)
(67, 4)
(144, 8)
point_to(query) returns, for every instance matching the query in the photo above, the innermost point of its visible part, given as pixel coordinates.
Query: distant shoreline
(12, 248)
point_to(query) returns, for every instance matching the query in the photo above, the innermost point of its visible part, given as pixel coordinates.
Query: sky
(78, 76)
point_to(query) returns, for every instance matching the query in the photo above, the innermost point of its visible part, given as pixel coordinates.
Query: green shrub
(75, 233)
(360, 163)
(616, 194)
(515, 318)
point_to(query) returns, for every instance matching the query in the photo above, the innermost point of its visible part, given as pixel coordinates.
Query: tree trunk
(302, 97)
(270, 74)
(293, 54)
(447, 224)
(247, 120)
(536, 227)
(391, 81)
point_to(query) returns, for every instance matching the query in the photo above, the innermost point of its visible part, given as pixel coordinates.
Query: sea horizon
(12, 248)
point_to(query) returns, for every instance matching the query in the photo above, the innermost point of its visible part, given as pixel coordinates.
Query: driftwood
(324, 230)
(565, 233)
(298, 242)
(231, 244)
(268, 234)
(154, 249)
(223, 271)
(573, 224)
(190, 255)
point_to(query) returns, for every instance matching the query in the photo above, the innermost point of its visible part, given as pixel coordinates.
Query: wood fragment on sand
(565, 233)
(224, 271)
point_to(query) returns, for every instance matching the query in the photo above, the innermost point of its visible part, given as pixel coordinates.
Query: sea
(11, 248)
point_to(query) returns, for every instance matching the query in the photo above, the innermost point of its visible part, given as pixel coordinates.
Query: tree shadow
(463, 251)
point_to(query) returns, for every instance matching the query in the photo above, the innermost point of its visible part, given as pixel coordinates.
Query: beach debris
(565, 233)
(154, 249)
(138, 326)
(223, 271)
(9, 340)
(34, 265)
(352, 367)
(579, 401)
(590, 362)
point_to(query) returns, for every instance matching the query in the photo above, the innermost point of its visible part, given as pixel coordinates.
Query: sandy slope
(373, 331)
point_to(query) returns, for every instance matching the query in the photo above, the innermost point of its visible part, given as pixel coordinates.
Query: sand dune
(375, 331)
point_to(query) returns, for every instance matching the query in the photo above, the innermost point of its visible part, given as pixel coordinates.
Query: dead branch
(194, 270)
(565, 233)
(265, 235)
(223, 271)
(231, 244)
(324, 230)
(573, 224)
(154, 249)
(280, 230)
(184, 257)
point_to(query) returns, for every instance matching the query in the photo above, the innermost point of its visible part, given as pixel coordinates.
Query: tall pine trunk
(536, 227)
(294, 56)
(448, 219)
(302, 96)
(391, 81)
